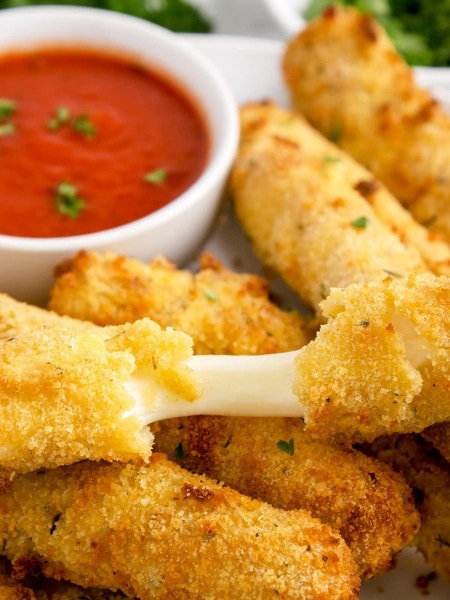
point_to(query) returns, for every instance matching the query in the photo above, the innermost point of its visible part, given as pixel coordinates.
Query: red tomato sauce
(141, 124)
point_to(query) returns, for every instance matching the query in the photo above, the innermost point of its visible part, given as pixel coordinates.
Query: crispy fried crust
(429, 475)
(40, 588)
(375, 516)
(141, 529)
(381, 364)
(19, 317)
(346, 77)
(224, 312)
(439, 436)
(63, 394)
(365, 501)
(310, 211)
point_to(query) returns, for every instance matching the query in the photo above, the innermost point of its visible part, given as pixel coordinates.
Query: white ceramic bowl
(288, 14)
(175, 231)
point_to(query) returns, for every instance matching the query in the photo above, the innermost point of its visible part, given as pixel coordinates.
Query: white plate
(252, 68)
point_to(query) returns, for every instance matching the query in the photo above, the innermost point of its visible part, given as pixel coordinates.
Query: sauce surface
(89, 142)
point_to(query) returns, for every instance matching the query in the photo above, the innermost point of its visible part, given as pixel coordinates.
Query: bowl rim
(220, 157)
(290, 21)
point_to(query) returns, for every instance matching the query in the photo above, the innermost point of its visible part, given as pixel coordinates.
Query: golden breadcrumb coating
(346, 77)
(381, 363)
(305, 207)
(376, 519)
(224, 312)
(20, 317)
(429, 475)
(40, 588)
(439, 436)
(64, 394)
(276, 461)
(158, 531)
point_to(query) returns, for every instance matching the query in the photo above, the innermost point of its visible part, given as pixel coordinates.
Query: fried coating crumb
(439, 436)
(357, 89)
(134, 529)
(380, 364)
(224, 312)
(64, 395)
(308, 213)
(369, 504)
(429, 475)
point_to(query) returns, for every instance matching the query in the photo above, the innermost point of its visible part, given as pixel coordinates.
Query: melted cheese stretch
(70, 392)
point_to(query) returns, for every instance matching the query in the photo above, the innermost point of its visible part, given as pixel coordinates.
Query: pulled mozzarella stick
(346, 77)
(380, 365)
(312, 213)
(275, 460)
(365, 501)
(64, 391)
(157, 531)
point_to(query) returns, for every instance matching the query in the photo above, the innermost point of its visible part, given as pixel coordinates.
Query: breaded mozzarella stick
(224, 312)
(275, 460)
(65, 395)
(305, 206)
(381, 364)
(158, 532)
(346, 77)
(429, 476)
(68, 395)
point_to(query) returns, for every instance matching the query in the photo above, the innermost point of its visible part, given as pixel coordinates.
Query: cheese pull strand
(380, 365)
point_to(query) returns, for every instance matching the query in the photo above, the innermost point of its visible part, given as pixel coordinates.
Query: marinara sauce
(89, 141)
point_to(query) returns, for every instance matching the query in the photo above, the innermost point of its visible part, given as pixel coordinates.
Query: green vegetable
(82, 124)
(286, 446)
(156, 176)
(177, 15)
(7, 128)
(419, 29)
(211, 295)
(67, 200)
(7, 108)
(62, 115)
(179, 451)
(360, 222)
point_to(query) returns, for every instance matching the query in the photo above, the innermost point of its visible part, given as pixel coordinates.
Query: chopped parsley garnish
(179, 451)
(360, 223)
(7, 108)
(157, 176)
(211, 295)
(62, 115)
(286, 446)
(67, 200)
(7, 128)
(335, 133)
(82, 124)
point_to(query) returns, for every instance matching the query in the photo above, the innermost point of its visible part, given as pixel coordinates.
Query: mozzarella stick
(224, 312)
(158, 531)
(429, 475)
(381, 363)
(346, 77)
(66, 393)
(275, 460)
(14, 585)
(364, 501)
(304, 205)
